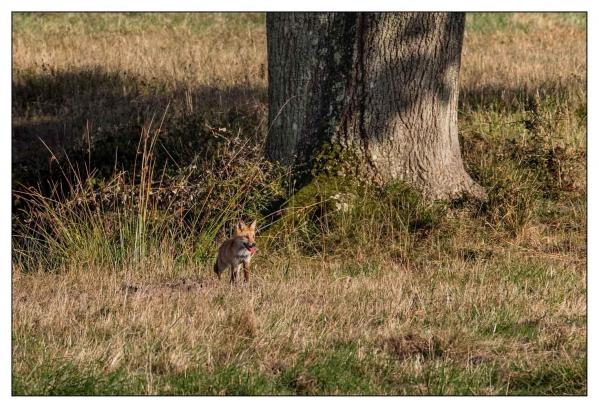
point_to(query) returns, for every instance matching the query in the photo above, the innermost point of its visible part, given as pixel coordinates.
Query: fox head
(247, 235)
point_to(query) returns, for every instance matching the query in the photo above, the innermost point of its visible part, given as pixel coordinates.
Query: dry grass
(517, 60)
(486, 320)
(393, 297)
(224, 50)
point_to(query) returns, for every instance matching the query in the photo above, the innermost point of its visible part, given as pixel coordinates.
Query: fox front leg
(246, 271)
(235, 272)
(217, 270)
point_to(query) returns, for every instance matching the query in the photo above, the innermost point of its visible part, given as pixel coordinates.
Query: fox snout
(250, 246)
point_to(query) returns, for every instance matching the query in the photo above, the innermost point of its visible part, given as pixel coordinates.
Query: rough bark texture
(377, 89)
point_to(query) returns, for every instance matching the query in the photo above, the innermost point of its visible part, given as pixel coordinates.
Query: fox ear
(253, 225)
(241, 225)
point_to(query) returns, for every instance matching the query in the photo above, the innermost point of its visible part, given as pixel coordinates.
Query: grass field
(152, 129)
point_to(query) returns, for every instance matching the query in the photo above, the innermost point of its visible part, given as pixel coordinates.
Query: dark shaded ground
(95, 118)
(513, 99)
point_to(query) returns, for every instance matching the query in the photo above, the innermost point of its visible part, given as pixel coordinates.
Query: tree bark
(374, 93)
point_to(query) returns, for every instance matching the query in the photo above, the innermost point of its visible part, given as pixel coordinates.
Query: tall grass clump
(538, 158)
(148, 214)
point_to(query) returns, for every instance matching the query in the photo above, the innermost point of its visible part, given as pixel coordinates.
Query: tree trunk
(374, 93)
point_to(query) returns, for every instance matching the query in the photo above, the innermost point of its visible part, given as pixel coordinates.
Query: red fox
(237, 251)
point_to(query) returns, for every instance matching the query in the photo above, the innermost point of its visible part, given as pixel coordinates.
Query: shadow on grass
(508, 98)
(95, 117)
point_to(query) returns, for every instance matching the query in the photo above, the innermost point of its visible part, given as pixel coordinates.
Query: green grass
(556, 378)
(339, 371)
(490, 22)
(128, 23)
(93, 23)
(487, 23)
(228, 380)
(63, 378)
(577, 19)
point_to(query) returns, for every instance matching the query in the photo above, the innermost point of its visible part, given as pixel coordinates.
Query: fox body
(237, 252)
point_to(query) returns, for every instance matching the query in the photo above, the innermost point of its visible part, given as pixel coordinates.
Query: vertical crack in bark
(362, 85)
